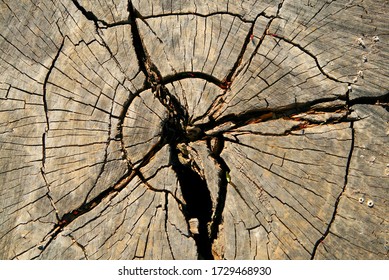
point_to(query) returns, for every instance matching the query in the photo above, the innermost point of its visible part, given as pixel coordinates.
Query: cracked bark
(267, 121)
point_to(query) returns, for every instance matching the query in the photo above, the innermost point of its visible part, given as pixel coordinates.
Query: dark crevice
(215, 146)
(117, 23)
(172, 131)
(43, 153)
(193, 75)
(260, 115)
(198, 203)
(382, 100)
(153, 77)
(88, 14)
(16, 257)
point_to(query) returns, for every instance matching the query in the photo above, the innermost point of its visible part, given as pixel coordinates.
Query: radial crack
(336, 205)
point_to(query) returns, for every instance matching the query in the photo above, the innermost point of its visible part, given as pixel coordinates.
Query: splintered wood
(194, 129)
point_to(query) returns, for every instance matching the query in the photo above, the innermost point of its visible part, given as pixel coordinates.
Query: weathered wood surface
(121, 121)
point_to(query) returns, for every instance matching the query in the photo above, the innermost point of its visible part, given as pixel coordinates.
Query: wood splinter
(194, 226)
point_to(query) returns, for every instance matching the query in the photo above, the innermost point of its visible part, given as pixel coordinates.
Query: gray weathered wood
(124, 123)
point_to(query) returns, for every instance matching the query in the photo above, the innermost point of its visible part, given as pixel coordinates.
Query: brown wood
(194, 129)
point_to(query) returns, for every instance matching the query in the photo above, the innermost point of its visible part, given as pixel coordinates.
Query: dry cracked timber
(122, 122)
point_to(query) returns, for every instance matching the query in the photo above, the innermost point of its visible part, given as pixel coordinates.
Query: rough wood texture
(194, 129)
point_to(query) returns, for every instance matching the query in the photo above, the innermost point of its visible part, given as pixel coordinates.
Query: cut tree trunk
(194, 129)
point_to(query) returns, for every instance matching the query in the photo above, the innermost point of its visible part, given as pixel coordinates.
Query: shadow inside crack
(198, 202)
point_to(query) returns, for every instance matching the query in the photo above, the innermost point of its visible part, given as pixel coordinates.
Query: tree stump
(194, 129)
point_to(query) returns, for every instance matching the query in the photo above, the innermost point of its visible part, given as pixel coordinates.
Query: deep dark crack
(198, 203)
(216, 146)
(88, 14)
(153, 76)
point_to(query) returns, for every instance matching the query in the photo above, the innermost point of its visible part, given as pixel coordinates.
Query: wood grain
(194, 129)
